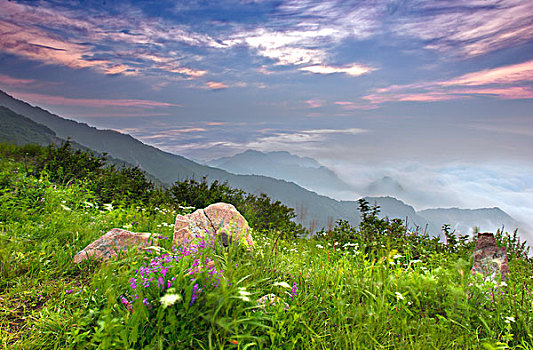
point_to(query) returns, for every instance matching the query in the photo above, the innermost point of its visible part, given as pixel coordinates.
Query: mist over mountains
(295, 181)
(304, 171)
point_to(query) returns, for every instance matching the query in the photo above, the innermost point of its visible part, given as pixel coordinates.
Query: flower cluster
(155, 271)
(205, 273)
(293, 290)
(159, 274)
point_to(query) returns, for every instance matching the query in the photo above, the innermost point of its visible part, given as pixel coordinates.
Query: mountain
(278, 157)
(169, 167)
(17, 129)
(464, 220)
(394, 208)
(313, 210)
(303, 171)
(384, 186)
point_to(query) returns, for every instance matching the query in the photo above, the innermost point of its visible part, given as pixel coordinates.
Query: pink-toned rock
(489, 259)
(219, 218)
(114, 241)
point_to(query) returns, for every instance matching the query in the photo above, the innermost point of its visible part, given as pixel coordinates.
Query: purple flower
(68, 291)
(194, 296)
(293, 290)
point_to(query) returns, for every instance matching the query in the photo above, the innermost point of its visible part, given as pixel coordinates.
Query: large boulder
(489, 259)
(221, 219)
(114, 241)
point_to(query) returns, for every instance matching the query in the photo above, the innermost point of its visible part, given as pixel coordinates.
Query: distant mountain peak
(384, 186)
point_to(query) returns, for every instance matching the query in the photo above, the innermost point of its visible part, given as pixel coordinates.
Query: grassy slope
(335, 298)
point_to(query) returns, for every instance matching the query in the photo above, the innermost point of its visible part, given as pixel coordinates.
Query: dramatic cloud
(516, 73)
(81, 38)
(507, 82)
(305, 33)
(467, 28)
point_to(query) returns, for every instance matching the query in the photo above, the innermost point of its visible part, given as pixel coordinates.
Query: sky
(435, 93)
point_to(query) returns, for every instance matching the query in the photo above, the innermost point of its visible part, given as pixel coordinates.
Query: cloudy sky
(437, 93)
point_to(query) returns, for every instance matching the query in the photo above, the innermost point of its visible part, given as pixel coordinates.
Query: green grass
(334, 293)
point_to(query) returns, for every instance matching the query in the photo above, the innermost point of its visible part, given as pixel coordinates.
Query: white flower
(243, 294)
(399, 295)
(319, 246)
(509, 319)
(65, 207)
(169, 299)
(282, 284)
(108, 206)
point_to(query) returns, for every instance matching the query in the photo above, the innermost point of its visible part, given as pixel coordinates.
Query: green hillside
(366, 287)
(17, 129)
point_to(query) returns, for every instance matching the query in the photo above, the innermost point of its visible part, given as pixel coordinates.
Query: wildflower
(399, 295)
(126, 303)
(194, 295)
(282, 284)
(293, 290)
(108, 206)
(68, 291)
(509, 319)
(243, 294)
(169, 300)
(320, 246)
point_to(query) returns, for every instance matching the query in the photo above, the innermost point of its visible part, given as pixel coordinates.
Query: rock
(489, 259)
(114, 241)
(219, 218)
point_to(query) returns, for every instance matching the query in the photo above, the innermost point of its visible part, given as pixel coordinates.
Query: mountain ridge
(311, 208)
(304, 171)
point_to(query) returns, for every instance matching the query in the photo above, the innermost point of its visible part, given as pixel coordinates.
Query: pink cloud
(32, 32)
(7, 80)
(313, 103)
(215, 123)
(507, 93)
(515, 73)
(505, 82)
(486, 26)
(215, 85)
(413, 97)
(84, 102)
(350, 106)
(173, 132)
